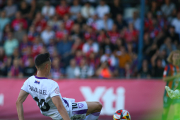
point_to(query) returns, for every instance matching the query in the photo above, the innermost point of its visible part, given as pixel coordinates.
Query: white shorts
(79, 110)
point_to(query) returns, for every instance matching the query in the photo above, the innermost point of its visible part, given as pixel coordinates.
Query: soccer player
(47, 96)
(171, 77)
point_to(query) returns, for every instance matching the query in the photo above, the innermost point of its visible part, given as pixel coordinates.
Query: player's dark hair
(42, 58)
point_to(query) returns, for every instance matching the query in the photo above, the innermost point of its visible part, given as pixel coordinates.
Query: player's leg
(94, 109)
(166, 106)
(176, 111)
(165, 113)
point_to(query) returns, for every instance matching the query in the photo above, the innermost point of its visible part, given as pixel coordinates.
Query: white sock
(93, 116)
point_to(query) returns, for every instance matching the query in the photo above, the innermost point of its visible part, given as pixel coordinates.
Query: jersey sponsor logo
(36, 81)
(112, 99)
(35, 89)
(57, 90)
(80, 105)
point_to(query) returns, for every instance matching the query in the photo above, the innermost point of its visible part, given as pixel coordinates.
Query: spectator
(51, 47)
(151, 50)
(62, 9)
(30, 69)
(48, 10)
(78, 45)
(5, 67)
(168, 46)
(172, 16)
(24, 45)
(2, 55)
(10, 44)
(147, 43)
(103, 71)
(106, 23)
(7, 30)
(89, 33)
(176, 23)
(78, 57)
(107, 44)
(32, 33)
(102, 9)
(61, 32)
(120, 22)
(3, 20)
(10, 9)
(109, 58)
(92, 21)
(47, 34)
(154, 7)
(75, 9)
(157, 64)
(33, 10)
(167, 8)
(131, 35)
(136, 21)
(39, 22)
(84, 71)
(128, 71)
(149, 22)
(70, 70)
(16, 54)
(80, 20)
(15, 70)
(19, 33)
(93, 60)
(37, 46)
(25, 9)
(68, 23)
(76, 32)
(18, 21)
(114, 34)
(174, 36)
(102, 35)
(87, 10)
(64, 46)
(56, 71)
(116, 8)
(123, 58)
(54, 23)
(161, 22)
(144, 72)
(90, 46)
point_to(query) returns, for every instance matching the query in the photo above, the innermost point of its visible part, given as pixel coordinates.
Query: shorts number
(74, 105)
(42, 102)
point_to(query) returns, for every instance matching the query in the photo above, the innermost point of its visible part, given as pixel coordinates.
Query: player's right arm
(169, 78)
(60, 107)
(19, 104)
(21, 98)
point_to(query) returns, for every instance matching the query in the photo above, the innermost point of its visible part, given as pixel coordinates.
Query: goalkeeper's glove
(172, 94)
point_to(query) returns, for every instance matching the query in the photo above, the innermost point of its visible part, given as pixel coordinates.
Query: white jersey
(42, 90)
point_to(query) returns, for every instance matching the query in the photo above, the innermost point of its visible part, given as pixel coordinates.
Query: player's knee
(99, 106)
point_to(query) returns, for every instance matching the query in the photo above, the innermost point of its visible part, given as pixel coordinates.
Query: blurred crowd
(87, 38)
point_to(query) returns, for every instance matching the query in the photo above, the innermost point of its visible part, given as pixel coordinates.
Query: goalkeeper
(171, 76)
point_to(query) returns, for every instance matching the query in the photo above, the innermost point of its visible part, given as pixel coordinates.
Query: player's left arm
(19, 104)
